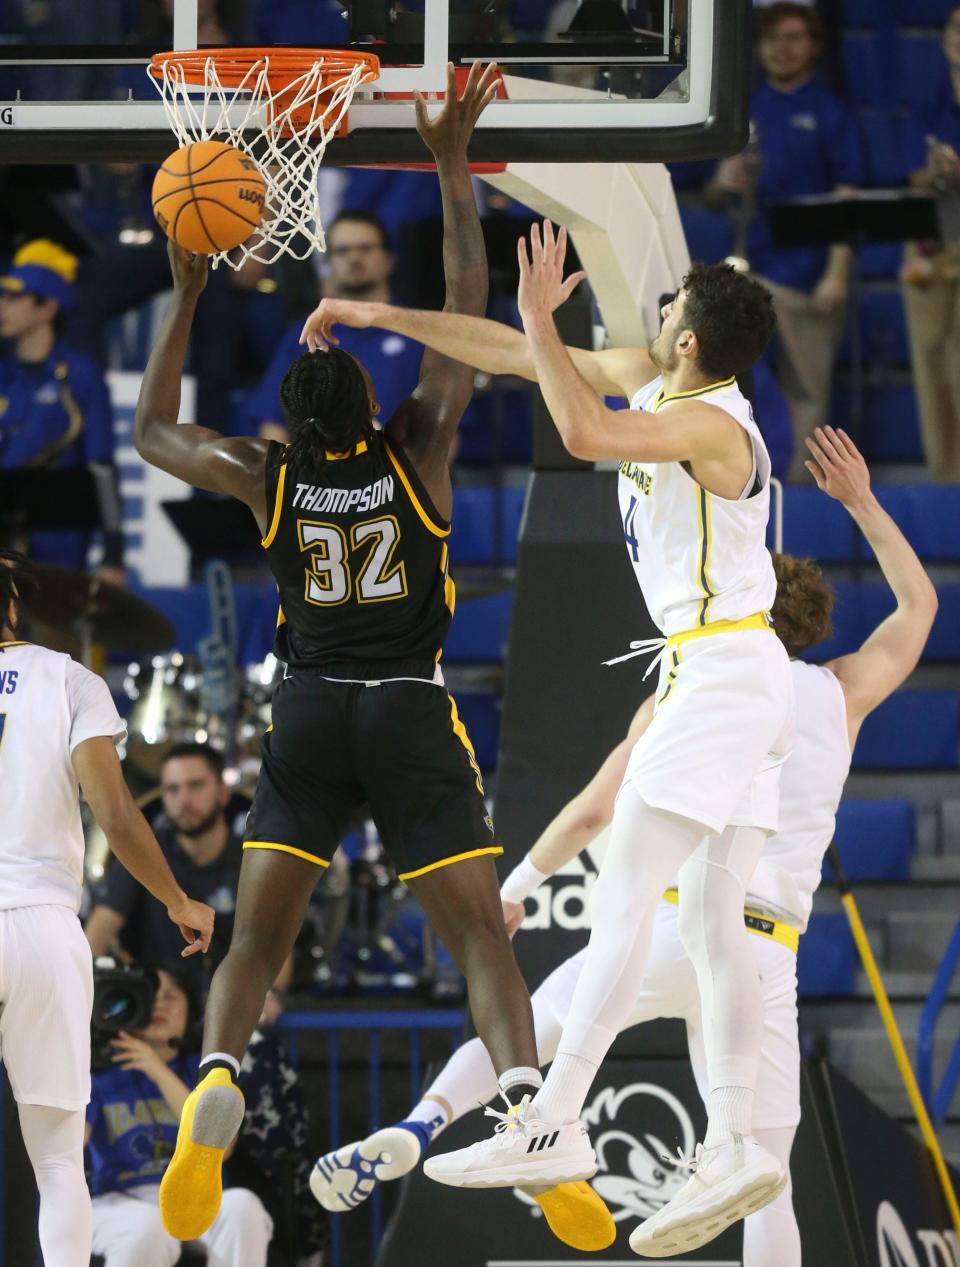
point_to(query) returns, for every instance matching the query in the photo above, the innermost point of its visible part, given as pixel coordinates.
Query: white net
(285, 129)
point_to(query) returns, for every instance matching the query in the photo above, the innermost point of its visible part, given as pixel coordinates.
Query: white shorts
(722, 728)
(46, 997)
(669, 989)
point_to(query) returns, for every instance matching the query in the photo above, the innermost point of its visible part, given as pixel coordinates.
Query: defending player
(58, 728)
(354, 522)
(694, 497)
(832, 703)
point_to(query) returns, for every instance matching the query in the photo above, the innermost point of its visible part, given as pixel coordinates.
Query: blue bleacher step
(478, 634)
(827, 962)
(876, 839)
(927, 514)
(912, 730)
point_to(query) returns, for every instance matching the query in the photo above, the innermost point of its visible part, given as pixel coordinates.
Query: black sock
(519, 1090)
(207, 1066)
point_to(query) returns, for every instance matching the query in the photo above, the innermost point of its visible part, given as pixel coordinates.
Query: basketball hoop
(280, 106)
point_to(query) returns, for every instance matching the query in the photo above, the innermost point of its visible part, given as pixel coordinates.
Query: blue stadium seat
(921, 67)
(864, 75)
(827, 962)
(816, 525)
(472, 537)
(709, 233)
(876, 839)
(883, 328)
(880, 260)
(498, 427)
(480, 713)
(944, 643)
(846, 625)
(861, 12)
(882, 131)
(928, 515)
(923, 12)
(891, 424)
(913, 730)
(480, 630)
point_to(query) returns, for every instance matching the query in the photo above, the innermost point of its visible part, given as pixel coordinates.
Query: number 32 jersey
(359, 554)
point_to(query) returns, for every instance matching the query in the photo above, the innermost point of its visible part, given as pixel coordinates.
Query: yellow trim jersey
(359, 554)
(698, 557)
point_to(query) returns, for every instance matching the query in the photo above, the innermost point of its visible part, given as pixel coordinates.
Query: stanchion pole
(893, 1034)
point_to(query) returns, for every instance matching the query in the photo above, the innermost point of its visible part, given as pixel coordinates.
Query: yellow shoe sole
(578, 1217)
(192, 1187)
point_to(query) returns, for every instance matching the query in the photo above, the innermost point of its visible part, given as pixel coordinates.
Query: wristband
(523, 880)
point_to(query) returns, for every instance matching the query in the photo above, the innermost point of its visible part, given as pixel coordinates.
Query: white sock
(571, 1078)
(434, 1115)
(221, 1057)
(520, 1076)
(730, 1113)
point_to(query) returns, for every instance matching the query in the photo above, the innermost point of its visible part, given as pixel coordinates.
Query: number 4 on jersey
(628, 533)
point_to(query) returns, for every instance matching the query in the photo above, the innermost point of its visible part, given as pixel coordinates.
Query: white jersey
(811, 784)
(698, 557)
(48, 705)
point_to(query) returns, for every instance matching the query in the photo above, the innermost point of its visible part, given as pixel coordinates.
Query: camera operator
(131, 1134)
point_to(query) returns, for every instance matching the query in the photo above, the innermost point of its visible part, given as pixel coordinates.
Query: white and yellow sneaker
(727, 1183)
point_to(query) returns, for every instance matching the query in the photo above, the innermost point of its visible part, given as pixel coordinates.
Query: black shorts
(395, 745)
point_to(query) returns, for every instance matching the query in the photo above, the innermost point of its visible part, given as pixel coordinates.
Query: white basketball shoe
(522, 1153)
(728, 1182)
(343, 1179)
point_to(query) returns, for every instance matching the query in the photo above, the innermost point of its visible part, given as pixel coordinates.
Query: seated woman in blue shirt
(131, 1133)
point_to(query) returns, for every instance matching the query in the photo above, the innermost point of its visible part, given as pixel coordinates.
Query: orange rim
(285, 65)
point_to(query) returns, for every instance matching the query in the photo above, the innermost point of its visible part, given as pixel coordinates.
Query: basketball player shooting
(355, 521)
(832, 702)
(694, 499)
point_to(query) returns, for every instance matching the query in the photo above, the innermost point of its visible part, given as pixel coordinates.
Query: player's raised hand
(542, 285)
(838, 466)
(189, 270)
(449, 132)
(195, 921)
(317, 332)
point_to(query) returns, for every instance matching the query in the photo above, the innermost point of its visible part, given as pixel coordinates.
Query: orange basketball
(208, 197)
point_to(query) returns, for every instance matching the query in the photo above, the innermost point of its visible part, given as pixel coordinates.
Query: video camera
(123, 996)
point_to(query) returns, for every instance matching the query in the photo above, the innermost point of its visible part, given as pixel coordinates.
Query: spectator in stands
(931, 272)
(806, 141)
(361, 265)
(204, 855)
(131, 1133)
(55, 411)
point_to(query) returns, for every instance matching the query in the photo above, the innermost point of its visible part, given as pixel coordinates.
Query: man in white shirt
(59, 728)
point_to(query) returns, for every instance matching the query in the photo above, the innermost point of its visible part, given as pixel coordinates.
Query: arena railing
(376, 1023)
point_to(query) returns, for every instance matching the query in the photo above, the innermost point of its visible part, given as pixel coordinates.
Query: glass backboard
(586, 80)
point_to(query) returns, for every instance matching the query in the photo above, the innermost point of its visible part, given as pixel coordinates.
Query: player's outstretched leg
(271, 901)
(734, 1175)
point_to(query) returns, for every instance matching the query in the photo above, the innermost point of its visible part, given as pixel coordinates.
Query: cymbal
(68, 599)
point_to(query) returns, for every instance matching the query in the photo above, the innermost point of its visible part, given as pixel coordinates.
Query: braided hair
(17, 582)
(324, 396)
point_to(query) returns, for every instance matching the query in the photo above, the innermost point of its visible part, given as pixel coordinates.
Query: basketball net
(281, 108)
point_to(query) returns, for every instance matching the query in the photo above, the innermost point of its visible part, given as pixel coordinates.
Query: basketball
(208, 197)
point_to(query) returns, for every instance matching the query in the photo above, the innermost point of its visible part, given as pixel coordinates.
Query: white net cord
(285, 131)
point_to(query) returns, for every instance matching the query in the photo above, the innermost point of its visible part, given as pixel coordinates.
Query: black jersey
(359, 554)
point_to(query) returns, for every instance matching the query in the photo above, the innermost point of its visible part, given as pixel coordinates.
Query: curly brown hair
(801, 611)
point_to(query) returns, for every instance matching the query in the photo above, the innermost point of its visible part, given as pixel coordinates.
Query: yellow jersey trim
(460, 730)
(428, 522)
(446, 862)
(759, 620)
(756, 922)
(297, 853)
(277, 509)
(703, 517)
(662, 398)
(358, 448)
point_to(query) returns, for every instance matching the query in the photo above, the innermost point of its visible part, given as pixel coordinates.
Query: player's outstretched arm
(200, 456)
(489, 346)
(578, 823)
(98, 772)
(892, 651)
